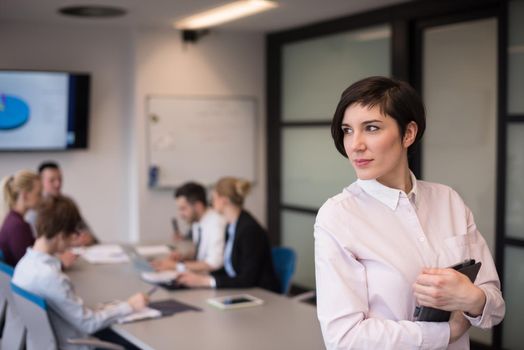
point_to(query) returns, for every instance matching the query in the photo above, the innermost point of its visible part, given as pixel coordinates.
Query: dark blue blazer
(250, 257)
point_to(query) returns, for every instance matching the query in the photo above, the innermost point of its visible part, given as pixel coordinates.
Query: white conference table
(280, 323)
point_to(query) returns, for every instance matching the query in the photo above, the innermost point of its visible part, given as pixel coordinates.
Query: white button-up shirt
(371, 243)
(209, 233)
(41, 274)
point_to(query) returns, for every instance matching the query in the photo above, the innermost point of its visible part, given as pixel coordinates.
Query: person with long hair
(386, 243)
(247, 254)
(20, 192)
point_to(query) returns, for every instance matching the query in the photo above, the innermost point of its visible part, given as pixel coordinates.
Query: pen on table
(151, 291)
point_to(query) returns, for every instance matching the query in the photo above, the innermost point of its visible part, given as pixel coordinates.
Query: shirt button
(422, 239)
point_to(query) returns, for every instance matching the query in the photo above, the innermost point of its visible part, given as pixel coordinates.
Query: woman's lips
(362, 162)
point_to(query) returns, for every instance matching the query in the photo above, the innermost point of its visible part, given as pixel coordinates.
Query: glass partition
(312, 169)
(460, 92)
(297, 232)
(316, 71)
(516, 58)
(513, 336)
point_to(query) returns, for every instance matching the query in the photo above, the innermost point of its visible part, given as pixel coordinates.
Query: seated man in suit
(247, 256)
(207, 233)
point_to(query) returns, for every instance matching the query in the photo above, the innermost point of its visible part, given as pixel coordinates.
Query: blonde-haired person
(20, 193)
(247, 255)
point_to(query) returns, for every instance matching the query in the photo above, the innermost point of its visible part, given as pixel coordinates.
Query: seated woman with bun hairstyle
(247, 254)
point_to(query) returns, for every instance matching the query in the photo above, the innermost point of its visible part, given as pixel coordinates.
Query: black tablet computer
(469, 268)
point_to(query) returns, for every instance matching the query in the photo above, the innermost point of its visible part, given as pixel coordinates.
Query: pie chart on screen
(14, 112)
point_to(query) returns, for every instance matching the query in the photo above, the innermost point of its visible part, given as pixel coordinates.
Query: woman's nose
(357, 142)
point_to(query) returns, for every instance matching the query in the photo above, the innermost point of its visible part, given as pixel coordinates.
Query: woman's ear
(410, 135)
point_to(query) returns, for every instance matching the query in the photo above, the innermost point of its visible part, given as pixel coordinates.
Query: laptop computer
(139, 262)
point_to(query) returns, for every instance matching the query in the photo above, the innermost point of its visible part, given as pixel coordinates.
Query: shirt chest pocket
(457, 249)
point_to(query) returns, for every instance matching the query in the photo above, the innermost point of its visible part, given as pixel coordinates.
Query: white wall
(109, 179)
(219, 64)
(97, 178)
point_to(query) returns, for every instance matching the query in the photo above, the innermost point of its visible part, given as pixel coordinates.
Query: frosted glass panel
(516, 58)
(515, 185)
(516, 24)
(315, 72)
(513, 337)
(312, 168)
(460, 91)
(297, 233)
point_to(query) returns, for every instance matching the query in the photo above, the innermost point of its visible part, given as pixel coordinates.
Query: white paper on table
(143, 314)
(152, 250)
(105, 254)
(159, 277)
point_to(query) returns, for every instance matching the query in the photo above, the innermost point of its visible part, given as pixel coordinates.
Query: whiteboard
(200, 139)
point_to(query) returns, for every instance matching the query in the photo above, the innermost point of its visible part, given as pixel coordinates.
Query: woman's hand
(450, 290)
(458, 325)
(191, 279)
(67, 259)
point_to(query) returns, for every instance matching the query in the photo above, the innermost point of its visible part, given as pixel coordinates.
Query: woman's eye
(372, 128)
(346, 130)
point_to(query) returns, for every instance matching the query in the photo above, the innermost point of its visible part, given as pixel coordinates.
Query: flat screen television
(43, 111)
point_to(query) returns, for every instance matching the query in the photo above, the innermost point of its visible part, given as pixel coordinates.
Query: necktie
(228, 265)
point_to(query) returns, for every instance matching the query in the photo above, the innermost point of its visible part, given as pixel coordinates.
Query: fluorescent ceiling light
(225, 13)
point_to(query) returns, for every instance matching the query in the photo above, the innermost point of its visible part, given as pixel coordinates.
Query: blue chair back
(284, 261)
(33, 312)
(13, 332)
(6, 272)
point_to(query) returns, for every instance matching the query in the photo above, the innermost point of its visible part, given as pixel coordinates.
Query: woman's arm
(447, 289)
(343, 306)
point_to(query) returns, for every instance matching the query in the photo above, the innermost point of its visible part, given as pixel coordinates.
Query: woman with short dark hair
(383, 246)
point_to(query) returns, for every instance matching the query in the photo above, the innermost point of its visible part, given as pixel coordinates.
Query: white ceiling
(161, 13)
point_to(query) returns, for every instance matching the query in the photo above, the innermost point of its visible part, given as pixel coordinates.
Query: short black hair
(193, 192)
(395, 98)
(47, 165)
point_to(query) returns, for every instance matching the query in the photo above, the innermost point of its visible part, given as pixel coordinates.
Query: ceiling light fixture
(223, 14)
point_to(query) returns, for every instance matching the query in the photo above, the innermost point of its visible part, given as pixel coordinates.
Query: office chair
(284, 260)
(13, 331)
(40, 335)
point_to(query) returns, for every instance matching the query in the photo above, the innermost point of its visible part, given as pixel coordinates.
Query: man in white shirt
(207, 233)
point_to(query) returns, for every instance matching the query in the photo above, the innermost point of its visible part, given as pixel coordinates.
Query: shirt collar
(46, 258)
(387, 195)
(231, 228)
